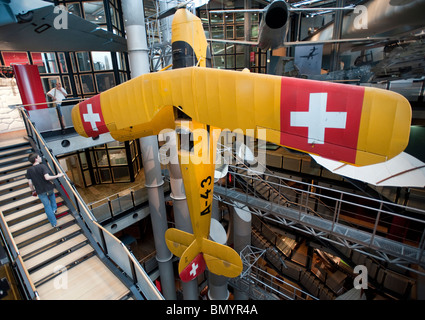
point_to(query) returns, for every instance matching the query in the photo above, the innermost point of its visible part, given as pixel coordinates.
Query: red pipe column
(30, 87)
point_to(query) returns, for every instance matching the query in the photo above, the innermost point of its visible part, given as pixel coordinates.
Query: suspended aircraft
(274, 25)
(400, 19)
(39, 26)
(351, 124)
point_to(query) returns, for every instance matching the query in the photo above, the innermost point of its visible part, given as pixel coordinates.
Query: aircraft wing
(306, 42)
(351, 124)
(37, 33)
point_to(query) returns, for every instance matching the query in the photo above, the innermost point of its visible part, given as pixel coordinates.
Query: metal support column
(242, 219)
(133, 12)
(337, 31)
(217, 285)
(181, 210)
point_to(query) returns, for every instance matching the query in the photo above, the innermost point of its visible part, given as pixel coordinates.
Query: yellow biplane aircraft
(351, 124)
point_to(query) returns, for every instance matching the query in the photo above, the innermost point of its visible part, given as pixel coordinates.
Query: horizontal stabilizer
(221, 260)
(178, 241)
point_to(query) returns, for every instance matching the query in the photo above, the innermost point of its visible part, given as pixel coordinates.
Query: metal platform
(329, 229)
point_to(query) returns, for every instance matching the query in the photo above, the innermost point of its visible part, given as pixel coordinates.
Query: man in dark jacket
(39, 180)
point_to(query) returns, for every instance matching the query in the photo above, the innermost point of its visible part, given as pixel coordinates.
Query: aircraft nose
(76, 120)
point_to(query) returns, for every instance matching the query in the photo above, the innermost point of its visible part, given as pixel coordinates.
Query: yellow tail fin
(178, 241)
(220, 259)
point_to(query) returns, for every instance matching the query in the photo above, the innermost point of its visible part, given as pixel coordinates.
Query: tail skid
(220, 259)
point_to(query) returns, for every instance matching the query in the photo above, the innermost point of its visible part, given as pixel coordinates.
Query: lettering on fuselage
(205, 194)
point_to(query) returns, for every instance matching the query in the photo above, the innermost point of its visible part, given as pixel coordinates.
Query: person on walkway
(58, 93)
(39, 179)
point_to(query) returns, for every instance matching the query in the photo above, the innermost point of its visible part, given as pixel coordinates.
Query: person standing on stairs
(39, 179)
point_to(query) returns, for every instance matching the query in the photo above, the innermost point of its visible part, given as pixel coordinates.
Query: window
(62, 62)
(10, 58)
(105, 175)
(230, 62)
(117, 157)
(105, 81)
(231, 26)
(74, 8)
(216, 17)
(87, 83)
(101, 60)
(204, 16)
(121, 174)
(94, 11)
(229, 32)
(239, 17)
(77, 84)
(219, 62)
(101, 158)
(240, 61)
(74, 67)
(66, 83)
(229, 18)
(46, 62)
(217, 32)
(230, 48)
(240, 32)
(83, 61)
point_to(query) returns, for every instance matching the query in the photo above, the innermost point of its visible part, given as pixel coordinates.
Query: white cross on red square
(317, 119)
(91, 117)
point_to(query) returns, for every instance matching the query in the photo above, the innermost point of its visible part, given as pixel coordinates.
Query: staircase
(61, 262)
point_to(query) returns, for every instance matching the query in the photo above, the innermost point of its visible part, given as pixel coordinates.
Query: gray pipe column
(133, 13)
(217, 285)
(181, 210)
(242, 237)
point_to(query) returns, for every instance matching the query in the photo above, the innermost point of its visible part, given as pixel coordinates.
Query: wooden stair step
(40, 244)
(20, 202)
(14, 184)
(26, 211)
(90, 280)
(17, 193)
(15, 166)
(68, 260)
(44, 228)
(7, 152)
(12, 175)
(34, 220)
(57, 264)
(22, 213)
(14, 142)
(13, 158)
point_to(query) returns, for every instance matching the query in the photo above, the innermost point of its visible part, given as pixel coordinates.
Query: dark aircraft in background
(400, 17)
(30, 26)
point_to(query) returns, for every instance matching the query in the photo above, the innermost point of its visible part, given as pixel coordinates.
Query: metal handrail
(379, 207)
(80, 206)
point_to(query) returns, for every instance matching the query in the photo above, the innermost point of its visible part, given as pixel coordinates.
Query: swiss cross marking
(317, 119)
(194, 268)
(91, 117)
